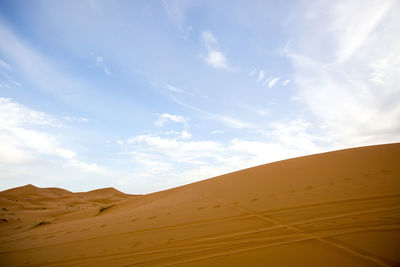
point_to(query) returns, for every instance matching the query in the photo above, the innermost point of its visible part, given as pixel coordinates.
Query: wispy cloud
(180, 160)
(214, 56)
(261, 75)
(167, 86)
(253, 72)
(176, 11)
(101, 64)
(352, 33)
(232, 122)
(354, 92)
(173, 88)
(31, 64)
(23, 137)
(285, 82)
(271, 82)
(226, 120)
(165, 117)
(6, 76)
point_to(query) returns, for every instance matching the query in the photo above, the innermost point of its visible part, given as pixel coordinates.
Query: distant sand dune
(339, 208)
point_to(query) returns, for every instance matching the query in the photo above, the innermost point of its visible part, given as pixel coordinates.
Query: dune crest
(340, 208)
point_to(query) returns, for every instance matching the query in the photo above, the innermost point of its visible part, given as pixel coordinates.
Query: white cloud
(173, 88)
(179, 160)
(13, 114)
(353, 93)
(88, 167)
(73, 119)
(100, 63)
(271, 82)
(227, 120)
(176, 11)
(214, 56)
(166, 149)
(232, 122)
(354, 21)
(216, 59)
(261, 75)
(217, 132)
(285, 82)
(185, 135)
(209, 39)
(4, 65)
(295, 134)
(165, 117)
(24, 138)
(6, 76)
(30, 64)
(167, 86)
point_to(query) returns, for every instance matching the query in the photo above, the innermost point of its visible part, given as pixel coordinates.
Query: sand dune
(339, 208)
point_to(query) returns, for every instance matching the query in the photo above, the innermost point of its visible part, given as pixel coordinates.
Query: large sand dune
(339, 208)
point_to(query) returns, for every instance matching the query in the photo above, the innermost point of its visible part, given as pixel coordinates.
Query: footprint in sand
(103, 225)
(347, 179)
(385, 171)
(83, 230)
(69, 232)
(292, 191)
(217, 206)
(310, 187)
(235, 203)
(134, 220)
(151, 218)
(201, 208)
(254, 199)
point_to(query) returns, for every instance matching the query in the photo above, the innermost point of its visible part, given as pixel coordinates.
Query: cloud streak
(22, 142)
(165, 117)
(353, 93)
(33, 66)
(101, 64)
(227, 120)
(214, 56)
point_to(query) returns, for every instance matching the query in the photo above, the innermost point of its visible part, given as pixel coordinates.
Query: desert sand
(339, 208)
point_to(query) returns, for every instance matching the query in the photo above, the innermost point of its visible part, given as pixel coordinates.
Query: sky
(148, 95)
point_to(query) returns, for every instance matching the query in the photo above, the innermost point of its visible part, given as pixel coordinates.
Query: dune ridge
(329, 209)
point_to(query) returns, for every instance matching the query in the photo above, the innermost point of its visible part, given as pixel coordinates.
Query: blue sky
(149, 95)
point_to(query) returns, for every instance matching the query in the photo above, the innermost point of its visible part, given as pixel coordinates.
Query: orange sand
(339, 208)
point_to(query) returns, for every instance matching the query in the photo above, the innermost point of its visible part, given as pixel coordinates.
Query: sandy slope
(334, 209)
